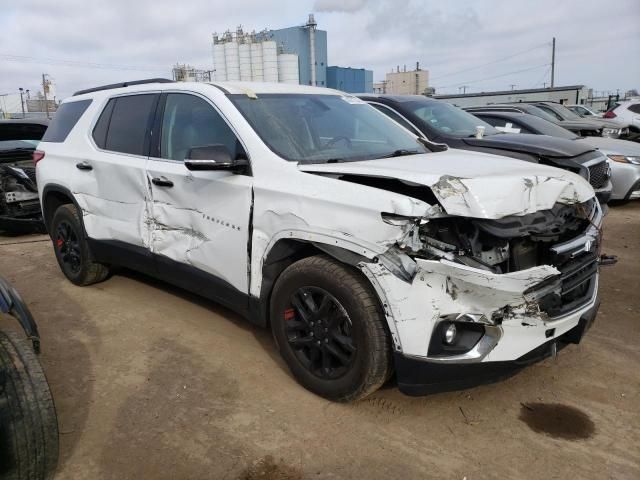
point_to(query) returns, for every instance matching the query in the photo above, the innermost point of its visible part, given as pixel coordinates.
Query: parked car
(28, 421)
(607, 127)
(19, 204)
(579, 127)
(627, 112)
(366, 249)
(624, 156)
(441, 122)
(583, 111)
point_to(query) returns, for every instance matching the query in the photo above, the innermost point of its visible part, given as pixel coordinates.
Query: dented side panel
(202, 221)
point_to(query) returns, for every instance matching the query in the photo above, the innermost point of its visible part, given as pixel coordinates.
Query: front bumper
(417, 377)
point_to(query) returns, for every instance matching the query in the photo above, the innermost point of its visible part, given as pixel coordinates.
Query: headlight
(610, 132)
(633, 159)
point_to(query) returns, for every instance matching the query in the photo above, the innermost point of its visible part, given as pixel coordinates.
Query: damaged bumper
(501, 322)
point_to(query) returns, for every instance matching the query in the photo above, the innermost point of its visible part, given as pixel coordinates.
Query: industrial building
(290, 55)
(403, 82)
(578, 94)
(352, 80)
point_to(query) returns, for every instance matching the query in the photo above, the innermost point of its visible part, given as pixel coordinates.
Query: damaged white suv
(366, 250)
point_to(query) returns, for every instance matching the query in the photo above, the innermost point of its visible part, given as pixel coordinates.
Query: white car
(626, 112)
(583, 111)
(365, 249)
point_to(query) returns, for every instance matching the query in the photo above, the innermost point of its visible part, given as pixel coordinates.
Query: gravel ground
(153, 382)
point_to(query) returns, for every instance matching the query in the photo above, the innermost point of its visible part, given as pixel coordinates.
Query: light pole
(21, 101)
(4, 103)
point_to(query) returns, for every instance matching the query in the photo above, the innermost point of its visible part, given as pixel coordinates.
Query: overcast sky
(83, 43)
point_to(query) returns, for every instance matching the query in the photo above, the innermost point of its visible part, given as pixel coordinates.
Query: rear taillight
(609, 114)
(37, 156)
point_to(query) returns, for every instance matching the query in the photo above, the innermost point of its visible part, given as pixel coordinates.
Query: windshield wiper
(401, 153)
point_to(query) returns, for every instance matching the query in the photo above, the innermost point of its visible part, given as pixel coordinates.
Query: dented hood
(473, 184)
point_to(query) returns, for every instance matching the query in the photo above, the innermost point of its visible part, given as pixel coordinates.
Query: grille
(598, 174)
(577, 284)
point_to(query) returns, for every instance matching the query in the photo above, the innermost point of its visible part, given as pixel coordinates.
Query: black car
(19, 204)
(579, 126)
(442, 122)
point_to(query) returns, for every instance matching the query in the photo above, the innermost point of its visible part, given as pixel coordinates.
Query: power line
(546, 44)
(494, 76)
(75, 63)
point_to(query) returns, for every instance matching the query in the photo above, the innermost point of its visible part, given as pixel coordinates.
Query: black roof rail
(123, 84)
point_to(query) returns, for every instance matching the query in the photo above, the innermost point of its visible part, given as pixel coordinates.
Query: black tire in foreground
(28, 423)
(330, 329)
(72, 249)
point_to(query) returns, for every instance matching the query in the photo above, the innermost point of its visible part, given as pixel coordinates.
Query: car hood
(539, 145)
(472, 184)
(584, 124)
(612, 146)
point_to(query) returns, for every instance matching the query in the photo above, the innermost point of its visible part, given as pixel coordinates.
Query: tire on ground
(372, 365)
(28, 423)
(90, 272)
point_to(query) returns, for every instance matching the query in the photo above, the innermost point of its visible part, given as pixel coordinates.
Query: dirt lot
(152, 382)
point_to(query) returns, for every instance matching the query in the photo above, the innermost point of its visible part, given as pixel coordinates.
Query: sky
(484, 44)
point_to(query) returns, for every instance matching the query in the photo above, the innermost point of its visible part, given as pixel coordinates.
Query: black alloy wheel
(319, 330)
(68, 245)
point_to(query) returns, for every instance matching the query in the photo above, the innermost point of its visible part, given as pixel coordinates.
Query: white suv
(365, 249)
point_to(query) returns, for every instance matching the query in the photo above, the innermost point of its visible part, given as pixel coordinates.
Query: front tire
(330, 329)
(72, 249)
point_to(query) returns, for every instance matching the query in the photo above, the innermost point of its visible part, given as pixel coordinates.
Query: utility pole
(463, 88)
(21, 101)
(553, 61)
(44, 92)
(513, 86)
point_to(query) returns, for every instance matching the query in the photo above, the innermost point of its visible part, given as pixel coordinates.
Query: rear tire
(330, 329)
(72, 249)
(28, 422)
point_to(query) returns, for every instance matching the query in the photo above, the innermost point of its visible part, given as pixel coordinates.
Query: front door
(200, 220)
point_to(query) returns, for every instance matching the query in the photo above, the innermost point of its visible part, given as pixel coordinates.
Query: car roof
(25, 121)
(397, 98)
(231, 88)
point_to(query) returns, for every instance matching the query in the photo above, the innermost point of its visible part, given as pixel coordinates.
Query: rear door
(110, 181)
(200, 219)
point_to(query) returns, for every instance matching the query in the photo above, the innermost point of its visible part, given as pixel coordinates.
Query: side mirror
(213, 157)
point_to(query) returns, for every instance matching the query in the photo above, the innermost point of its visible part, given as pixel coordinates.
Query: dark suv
(442, 122)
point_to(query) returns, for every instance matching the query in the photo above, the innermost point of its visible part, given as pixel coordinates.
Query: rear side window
(64, 120)
(102, 126)
(635, 108)
(124, 123)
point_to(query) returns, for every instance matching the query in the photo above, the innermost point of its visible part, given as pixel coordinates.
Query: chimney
(417, 66)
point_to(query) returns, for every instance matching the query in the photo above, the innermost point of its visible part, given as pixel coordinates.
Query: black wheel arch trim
(47, 214)
(12, 304)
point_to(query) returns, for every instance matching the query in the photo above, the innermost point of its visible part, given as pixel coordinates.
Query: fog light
(450, 334)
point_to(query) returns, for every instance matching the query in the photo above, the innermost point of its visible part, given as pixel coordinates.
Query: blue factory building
(352, 80)
(298, 40)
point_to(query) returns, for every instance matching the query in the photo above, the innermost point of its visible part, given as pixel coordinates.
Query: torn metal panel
(475, 185)
(442, 288)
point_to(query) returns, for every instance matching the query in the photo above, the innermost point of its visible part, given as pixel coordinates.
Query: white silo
(288, 71)
(256, 63)
(232, 61)
(244, 54)
(270, 61)
(219, 66)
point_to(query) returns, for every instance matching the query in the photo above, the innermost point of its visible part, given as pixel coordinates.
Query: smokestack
(311, 25)
(417, 66)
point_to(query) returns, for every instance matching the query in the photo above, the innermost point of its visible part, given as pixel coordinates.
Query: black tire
(72, 249)
(354, 316)
(28, 422)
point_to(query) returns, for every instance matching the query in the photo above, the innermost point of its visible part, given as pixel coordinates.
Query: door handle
(84, 166)
(162, 182)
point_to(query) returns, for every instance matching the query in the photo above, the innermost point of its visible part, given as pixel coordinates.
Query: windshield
(565, 113)
(548, 128)
(448, 119)
(325, 128)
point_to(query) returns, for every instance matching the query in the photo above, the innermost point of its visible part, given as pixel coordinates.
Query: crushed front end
(19, 204)
(474, 300)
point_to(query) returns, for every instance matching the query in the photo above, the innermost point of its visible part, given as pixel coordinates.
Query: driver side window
(189, 121)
